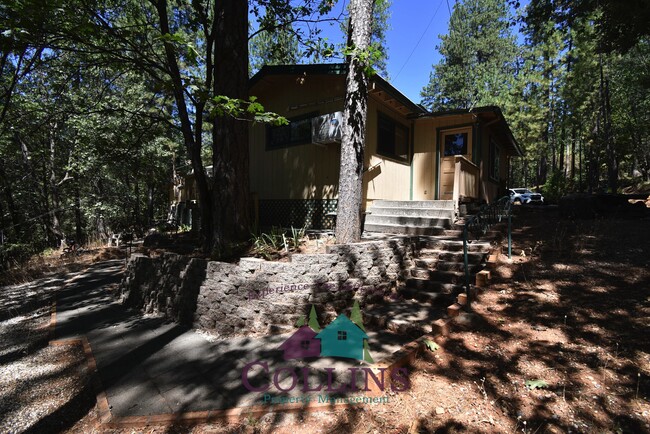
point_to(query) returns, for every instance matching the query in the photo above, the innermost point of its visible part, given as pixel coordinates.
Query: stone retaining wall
(265, 297)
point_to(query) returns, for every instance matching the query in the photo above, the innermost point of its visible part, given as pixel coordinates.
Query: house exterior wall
(298, 172)
(427, 149)
(389, 179)
(302, 181)
(298, 185)
(491, 189)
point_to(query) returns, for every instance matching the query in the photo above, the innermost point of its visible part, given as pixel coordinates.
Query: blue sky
(411, 21)
(412, 40)
(415, 27)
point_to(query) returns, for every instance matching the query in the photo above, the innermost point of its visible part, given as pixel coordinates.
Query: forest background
(103, 103)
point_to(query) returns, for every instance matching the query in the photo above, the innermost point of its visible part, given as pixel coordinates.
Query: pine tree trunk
(573, 152)
(77, 214)
(193, 147)
(230, 136)
(16, 220)
(150, 195)
(348, 221)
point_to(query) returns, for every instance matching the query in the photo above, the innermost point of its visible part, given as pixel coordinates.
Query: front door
(453, 142)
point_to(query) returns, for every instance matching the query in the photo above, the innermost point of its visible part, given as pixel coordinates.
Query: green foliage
(432, 346)
(12, 255)
(297, 236)
(375, 58)
(277, 47)
(245, 110)
(270, 245)
(478, 53)
(556, 186)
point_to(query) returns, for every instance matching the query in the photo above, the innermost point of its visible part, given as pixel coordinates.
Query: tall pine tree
(478, 54)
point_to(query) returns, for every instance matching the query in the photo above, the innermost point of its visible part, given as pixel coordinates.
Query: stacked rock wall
(258, 296)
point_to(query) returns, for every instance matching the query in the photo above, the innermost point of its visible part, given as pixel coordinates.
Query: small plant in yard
(271, 245)
(184, 228)
(536, 384)
(432, 346)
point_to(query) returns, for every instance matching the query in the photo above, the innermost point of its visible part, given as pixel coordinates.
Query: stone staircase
(432, 285)
(439, 271)
(423, 217)
(437, 276)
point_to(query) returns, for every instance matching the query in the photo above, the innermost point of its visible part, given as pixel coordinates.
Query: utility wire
(419, 40)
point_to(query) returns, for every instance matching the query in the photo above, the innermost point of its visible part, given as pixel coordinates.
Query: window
(305, 344)
(392, 138)
(495, 161)
(455, 144)
(298, 132)
(343, 335)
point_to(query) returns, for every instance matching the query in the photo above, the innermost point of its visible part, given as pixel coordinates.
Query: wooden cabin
(411, 154)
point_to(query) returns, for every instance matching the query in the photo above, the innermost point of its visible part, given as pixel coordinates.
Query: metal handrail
(478, 225)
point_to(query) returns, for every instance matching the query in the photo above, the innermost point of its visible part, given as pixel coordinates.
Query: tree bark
(16, 220)
(610, 148)
(230, 156)
(150, 195)
(348, 222)
(79, 236)
(55, 214)
(193, 148)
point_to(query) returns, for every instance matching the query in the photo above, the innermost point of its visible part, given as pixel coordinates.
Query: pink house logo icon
(301, 344)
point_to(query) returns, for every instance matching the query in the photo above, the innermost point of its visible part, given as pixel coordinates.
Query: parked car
(524, 196)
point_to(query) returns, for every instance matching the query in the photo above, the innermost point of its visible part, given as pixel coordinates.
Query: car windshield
(521, 190)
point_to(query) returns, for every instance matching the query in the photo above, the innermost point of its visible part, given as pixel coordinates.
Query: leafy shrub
(271, 245)
(556, 186)
(14, 254)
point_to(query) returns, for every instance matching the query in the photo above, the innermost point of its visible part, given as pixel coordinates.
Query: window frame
(299, 142)
(395, 125)
(494, 151)
(342, 335)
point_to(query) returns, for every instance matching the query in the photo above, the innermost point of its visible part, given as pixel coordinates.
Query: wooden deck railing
(466, 179)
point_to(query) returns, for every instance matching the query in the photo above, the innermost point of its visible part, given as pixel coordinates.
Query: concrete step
(427, 291)
(404, 230)
(403, 316)
(433, 298)
(435, 264)
(453, 245)
(438, 204)
(413, 212)
(431, 286)
(457, 256)
(407, 220)
(444, 276)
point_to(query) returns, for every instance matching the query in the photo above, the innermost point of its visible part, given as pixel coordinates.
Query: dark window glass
(455, 144)
(343, 335)
(298, 132)
(494, 161)
(392, 138)
(305, 345)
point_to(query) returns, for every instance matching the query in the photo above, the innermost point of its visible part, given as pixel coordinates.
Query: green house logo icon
(343, 337)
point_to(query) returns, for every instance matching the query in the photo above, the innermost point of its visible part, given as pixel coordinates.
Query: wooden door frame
(470, 126)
